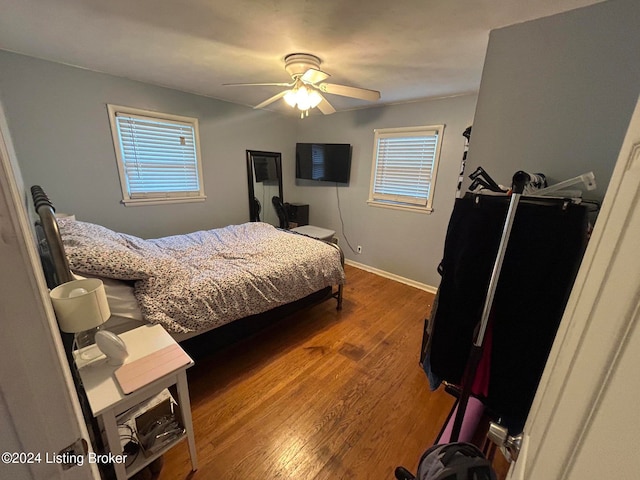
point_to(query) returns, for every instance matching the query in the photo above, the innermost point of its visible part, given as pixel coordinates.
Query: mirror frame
(251, 155)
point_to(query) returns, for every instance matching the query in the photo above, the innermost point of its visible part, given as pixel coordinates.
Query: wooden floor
(321, 395)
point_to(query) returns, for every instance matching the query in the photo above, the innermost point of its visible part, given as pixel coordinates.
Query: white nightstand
(108, 401)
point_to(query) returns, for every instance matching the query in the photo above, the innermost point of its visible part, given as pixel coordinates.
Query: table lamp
(81, 307)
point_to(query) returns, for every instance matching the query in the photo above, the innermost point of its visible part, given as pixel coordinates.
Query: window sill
(398, 206)
(139, 202)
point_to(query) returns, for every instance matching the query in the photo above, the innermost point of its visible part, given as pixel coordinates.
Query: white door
(39, 410)
(585, 418)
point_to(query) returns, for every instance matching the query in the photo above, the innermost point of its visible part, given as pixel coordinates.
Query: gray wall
(58, 120)
(557, 94)
(409, 244)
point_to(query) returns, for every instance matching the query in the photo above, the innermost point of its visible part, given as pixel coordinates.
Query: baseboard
(392, 276)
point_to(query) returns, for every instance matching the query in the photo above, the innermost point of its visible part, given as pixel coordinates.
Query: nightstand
(107, 399)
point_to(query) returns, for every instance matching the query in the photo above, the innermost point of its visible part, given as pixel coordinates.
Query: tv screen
(325, 162)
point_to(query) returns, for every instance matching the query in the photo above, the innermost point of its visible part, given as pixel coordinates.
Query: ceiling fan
(306, 89)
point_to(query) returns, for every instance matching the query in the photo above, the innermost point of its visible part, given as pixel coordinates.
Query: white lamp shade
(80, 305)
(290, 98)
(314, 98)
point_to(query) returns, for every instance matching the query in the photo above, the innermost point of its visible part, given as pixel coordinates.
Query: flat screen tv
(325, 162)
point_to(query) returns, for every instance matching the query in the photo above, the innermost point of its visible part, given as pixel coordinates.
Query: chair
(308, 230)
(257, 208)
(281, 211)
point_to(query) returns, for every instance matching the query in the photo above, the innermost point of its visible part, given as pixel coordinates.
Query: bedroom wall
(408, 244)
(58, 119)
(557, 94)
(59, 122)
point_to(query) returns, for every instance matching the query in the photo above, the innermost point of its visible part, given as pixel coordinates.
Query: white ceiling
(406, 49)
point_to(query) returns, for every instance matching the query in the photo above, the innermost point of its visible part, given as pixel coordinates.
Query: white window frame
(414, 202)
(156, 197)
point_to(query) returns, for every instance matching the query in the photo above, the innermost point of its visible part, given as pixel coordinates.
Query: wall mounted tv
(325, 162)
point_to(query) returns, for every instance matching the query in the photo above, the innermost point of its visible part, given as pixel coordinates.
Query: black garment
(545, 248)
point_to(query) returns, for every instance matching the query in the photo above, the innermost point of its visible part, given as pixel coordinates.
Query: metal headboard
(52, 254)
(57, 271)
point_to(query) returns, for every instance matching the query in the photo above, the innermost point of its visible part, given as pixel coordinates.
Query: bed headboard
(50, 247)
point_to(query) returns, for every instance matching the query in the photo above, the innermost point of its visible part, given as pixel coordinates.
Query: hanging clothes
(545, 248)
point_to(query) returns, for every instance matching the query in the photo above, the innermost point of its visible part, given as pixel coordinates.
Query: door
(584, 420)
(39, 410)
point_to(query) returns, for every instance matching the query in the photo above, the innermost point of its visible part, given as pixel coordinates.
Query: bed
(194, 283)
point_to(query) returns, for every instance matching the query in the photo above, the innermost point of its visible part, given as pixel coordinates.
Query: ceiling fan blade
(353, 92)
(314, 76)
(325, 107)
(269, 101)
(258, 84)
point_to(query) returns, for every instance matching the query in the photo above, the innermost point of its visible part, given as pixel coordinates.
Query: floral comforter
(205, 279)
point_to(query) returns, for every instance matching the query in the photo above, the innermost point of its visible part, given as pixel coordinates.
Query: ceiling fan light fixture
(290, 98)
(303, 97)
(314, 98)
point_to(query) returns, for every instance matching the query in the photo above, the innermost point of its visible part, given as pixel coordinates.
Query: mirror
(264, 174)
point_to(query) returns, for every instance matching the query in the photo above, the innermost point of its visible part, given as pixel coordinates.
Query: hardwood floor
(320, 395)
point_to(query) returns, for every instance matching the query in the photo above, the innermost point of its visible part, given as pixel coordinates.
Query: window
(405, 162)
(158, 156)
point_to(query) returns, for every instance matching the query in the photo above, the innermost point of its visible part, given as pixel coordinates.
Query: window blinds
(404, 166)
(159, 157)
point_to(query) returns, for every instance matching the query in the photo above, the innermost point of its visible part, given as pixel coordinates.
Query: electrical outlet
(359, 249)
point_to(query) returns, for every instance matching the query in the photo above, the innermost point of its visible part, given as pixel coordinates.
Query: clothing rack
(519, 182)
(543, 253)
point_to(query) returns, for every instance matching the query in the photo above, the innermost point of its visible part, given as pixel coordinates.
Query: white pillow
(120, 297)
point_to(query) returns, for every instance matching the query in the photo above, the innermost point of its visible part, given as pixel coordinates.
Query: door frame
(39, 406)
